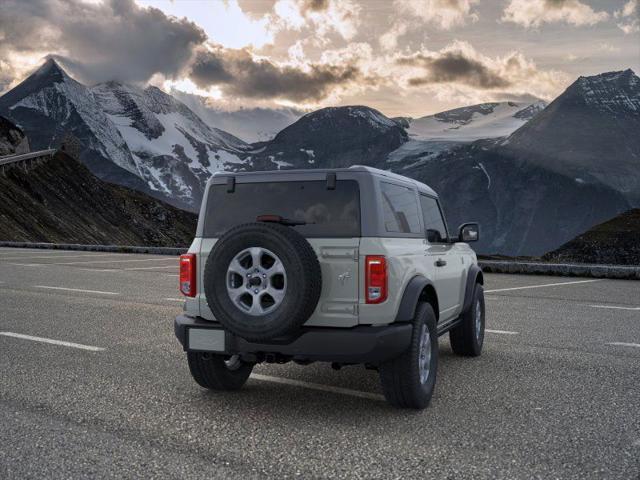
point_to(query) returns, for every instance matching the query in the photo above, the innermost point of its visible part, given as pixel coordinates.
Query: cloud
(112, 40)
(239, 73)
(445, 14)
(533, 13)
(459, 71)
(629, 25)
(389, 40)
(322, 16)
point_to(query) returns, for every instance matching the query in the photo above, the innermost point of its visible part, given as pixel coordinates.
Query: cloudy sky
(404, 57)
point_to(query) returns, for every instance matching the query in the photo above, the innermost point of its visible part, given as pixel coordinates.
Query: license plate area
(206, 340)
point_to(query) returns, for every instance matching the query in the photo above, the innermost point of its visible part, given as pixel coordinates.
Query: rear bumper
(361, 344)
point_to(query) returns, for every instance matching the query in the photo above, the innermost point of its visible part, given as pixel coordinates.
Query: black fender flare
(473, 276)
(411, 297)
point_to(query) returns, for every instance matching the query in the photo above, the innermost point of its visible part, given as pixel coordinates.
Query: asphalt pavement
(93, 383)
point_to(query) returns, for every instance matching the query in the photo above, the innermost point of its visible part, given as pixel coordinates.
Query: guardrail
(489, 266)
(561, 269)
(11, 159)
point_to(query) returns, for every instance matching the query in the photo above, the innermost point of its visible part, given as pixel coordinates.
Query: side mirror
(469, 232)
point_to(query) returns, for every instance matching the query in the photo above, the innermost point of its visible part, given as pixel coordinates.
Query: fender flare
(411, 297)
(473, 276)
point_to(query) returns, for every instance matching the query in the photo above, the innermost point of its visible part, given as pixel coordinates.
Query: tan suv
(344, 266)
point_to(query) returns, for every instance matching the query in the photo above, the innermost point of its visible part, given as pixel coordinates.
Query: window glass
(433, 221)
(400, 209)
(328, 213)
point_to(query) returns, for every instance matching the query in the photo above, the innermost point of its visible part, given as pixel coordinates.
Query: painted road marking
(76, 290)
(151, 268)
(171, 275)
(99, 269)
(317, 386)
(624, 344)
(24, 257)
(613, 307)
(52, 342)
(96, 261)
(543, 285)
(503, 332)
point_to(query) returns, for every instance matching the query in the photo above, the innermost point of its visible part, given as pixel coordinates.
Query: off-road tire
(465, 339)
(210, 371)
(400, 377)
(304, 280)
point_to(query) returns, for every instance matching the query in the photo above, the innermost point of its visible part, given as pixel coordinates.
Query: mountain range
(534, 175)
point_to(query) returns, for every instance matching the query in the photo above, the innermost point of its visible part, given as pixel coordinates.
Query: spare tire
(262, 280)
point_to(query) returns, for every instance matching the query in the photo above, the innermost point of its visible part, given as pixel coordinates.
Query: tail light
(188, 274)
(375, 278)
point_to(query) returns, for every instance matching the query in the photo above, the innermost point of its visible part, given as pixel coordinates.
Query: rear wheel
(218, 372)
(409, 380)
(467, 338)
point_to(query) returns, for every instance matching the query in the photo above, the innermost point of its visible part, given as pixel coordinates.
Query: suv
(348, 266)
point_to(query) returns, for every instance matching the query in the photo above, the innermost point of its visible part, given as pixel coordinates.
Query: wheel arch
(419, 289)
(474, 276)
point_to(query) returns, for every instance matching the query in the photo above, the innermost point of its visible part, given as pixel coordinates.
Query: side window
(433, 222)
(400, 209)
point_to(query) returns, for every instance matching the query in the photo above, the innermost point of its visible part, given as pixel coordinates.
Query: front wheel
(218, 372)
(409, 380)
(468, 337)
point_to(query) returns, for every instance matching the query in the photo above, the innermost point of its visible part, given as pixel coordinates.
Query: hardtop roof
(354, 168)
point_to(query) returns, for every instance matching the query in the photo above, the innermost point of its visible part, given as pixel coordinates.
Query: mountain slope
(331, 137)
(61, 201)
(612, 242)
(553, 178)
(466, 124)
(591, 133)
(12, 140)
(250, 124)
(140, 138)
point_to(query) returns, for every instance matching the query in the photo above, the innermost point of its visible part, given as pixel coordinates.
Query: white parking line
(52, 342)
(624, 344)
(171, 275)
(151, 268)
(97, 261)
(175, 299)
(24, 257)
(76, 290)
(503, 332)
(543, 285)
(613, 307)
(317, 386)
(99, 269)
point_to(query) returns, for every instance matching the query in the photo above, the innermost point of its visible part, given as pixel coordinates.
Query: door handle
(440, 263)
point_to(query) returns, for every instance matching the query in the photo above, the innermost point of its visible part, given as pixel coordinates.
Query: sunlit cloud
(444, 14)
(629, 22)
(533, 13)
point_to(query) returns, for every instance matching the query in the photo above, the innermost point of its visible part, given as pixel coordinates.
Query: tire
(218, 372)
(401, 377)
(285, 264)
(467, 338)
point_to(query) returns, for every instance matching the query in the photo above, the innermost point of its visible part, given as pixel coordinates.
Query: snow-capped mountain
(331, 137)
(141, 138)
(466, 124)
(250, 124)
(574, 165)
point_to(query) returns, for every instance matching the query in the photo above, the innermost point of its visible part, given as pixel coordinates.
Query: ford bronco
(348, 266)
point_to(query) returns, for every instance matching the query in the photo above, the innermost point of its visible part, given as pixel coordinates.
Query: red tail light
(188, 274)
(375, 278)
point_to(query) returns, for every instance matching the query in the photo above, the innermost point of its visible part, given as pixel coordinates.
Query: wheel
(218, 372)
(262, 280)
(467, 338)
(409, 380)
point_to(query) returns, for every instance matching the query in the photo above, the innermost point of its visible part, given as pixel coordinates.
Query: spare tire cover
(262, 280)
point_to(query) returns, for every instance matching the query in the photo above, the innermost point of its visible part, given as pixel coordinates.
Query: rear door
(330, 221)
(441, 252)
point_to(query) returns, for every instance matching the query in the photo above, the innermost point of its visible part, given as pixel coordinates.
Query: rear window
(328, 213)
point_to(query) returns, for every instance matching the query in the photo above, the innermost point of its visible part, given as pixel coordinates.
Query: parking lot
(94, 383)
